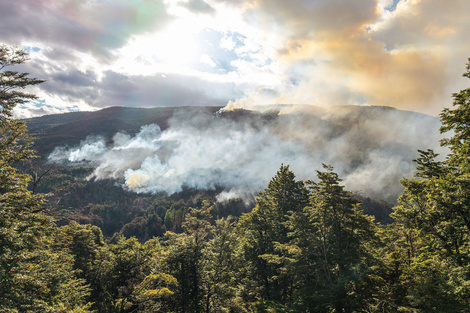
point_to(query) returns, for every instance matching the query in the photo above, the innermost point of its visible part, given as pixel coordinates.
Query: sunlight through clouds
(406, 54)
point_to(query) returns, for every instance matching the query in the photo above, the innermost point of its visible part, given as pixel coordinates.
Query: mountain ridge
(70, 128)
(371, 147)
(351, 138)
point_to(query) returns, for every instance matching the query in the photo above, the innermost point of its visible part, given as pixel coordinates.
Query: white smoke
(240, 152)
(90, 149)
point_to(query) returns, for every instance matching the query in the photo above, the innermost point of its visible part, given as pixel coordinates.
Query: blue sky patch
(31, 49)
(392, 6)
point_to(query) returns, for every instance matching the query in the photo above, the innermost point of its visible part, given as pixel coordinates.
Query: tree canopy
(33, 277)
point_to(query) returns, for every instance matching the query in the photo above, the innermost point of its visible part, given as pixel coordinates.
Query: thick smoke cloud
(239, 151)
(405, 54)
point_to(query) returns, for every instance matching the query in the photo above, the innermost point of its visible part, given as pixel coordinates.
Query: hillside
(232, 156)
(70, 128)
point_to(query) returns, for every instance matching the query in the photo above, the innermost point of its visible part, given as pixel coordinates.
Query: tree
(222, 274)
(330, 243)
(15, 143)
(124, 277)
(435, 206)
(33, 277)
(184, 259)
(265, 230)
(82, 242)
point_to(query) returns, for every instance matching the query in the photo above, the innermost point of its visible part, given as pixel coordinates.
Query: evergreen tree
(222, 270)
(184, 259)
(33, 277)
(435, 206)
(330, 241)
(265, 231)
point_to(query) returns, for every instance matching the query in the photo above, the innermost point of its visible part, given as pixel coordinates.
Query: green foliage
(205, 260)
(184, 259)
(457, 120)
(435, 209)
(300, 249)
(332, 235)
(116, 211)
(82, 242)
(265, 229)
(121, 274)
(307, 248)
(33, 277)
(154, 292)
(222, 267)
(11, 81)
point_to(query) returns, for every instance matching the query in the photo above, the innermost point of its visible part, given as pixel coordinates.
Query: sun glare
(176, 45)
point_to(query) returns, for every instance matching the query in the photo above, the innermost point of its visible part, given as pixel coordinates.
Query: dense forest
(304, 246)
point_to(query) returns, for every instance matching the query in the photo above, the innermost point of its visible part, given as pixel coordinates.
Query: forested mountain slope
(347, 136)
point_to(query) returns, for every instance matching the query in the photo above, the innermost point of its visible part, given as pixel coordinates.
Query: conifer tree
(184, 259)
(435, 206)
(332, 258)
(33, 277)
(265, 232)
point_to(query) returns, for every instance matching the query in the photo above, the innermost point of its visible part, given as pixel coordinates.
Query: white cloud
(207, 60)
(227, 43)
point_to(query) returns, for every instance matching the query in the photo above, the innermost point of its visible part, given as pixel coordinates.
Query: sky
(93, 54)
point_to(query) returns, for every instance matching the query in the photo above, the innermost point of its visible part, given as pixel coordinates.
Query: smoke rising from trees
(238, 151)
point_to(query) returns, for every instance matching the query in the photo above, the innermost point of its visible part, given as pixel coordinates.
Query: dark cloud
(69, 82)
(89, 26)
(158, 90)
(199, 6)
(76, 78)
(60, 54)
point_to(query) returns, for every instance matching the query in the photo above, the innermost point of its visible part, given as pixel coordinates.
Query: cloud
(309, 19)
(406, 54)
(76, 84)
(153, 91)
(239, 152)
(199, 6)
(33, 109)
(95, 27)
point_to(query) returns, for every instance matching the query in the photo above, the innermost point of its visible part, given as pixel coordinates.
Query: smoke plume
(239, 151)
